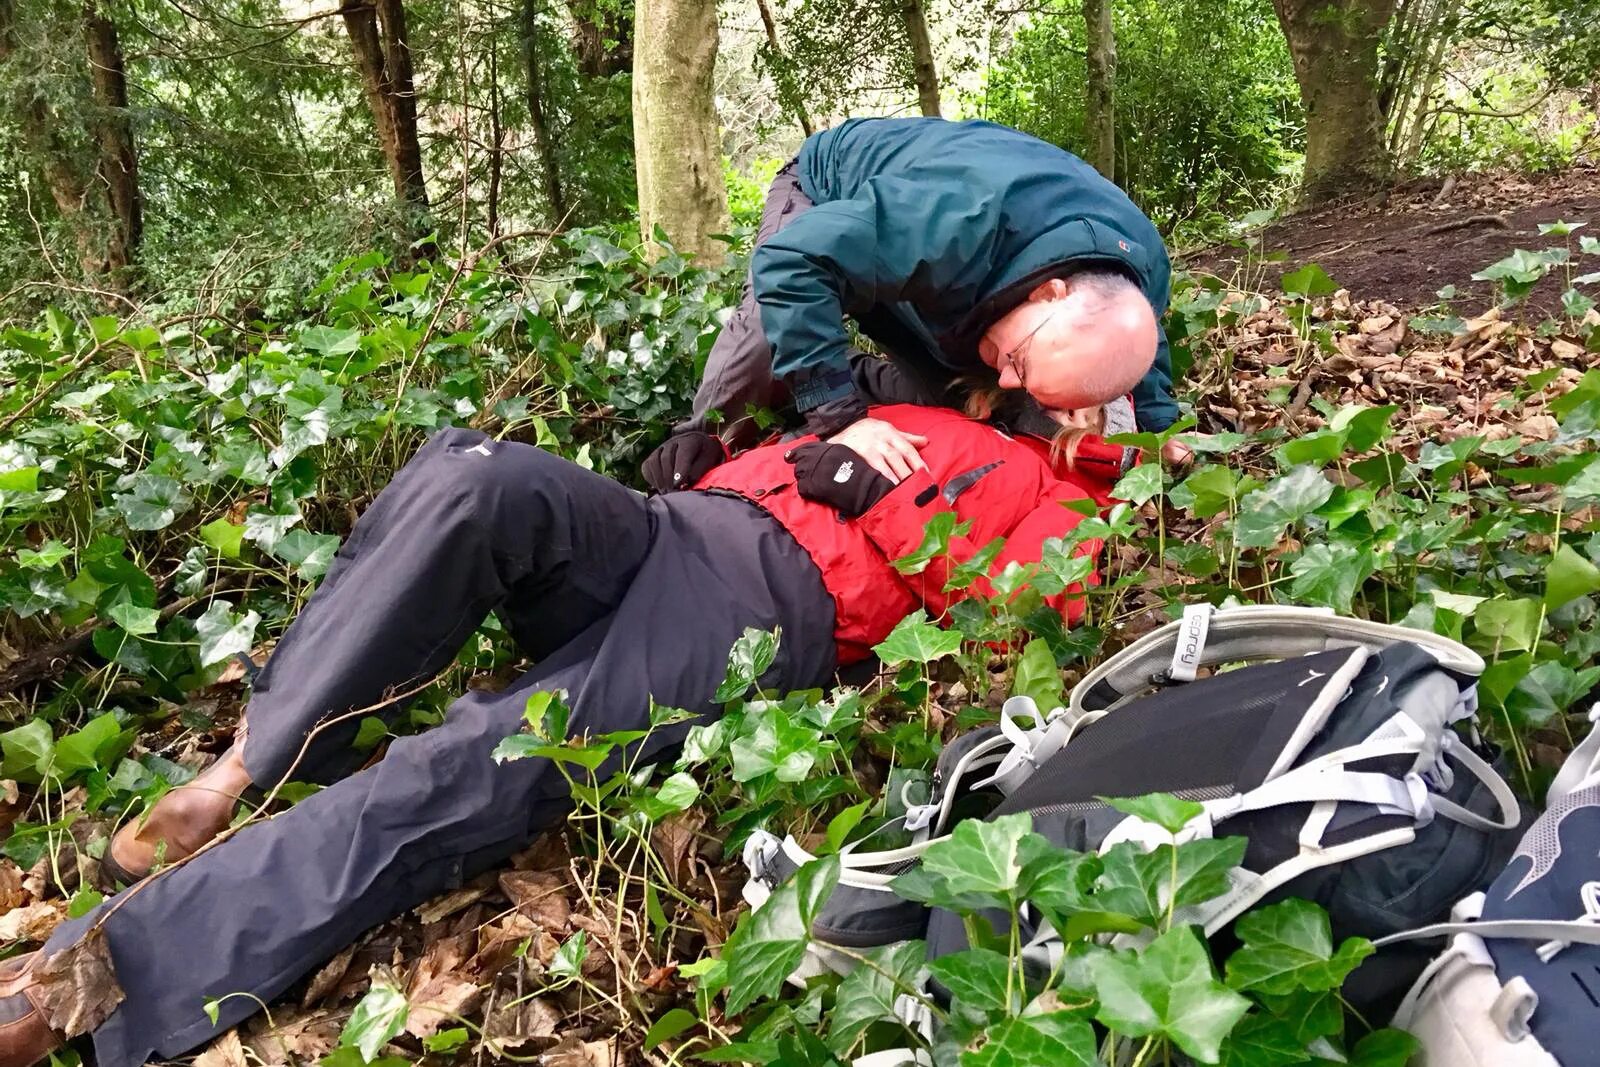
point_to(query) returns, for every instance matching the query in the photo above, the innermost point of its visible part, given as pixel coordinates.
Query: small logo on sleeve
(846, 469)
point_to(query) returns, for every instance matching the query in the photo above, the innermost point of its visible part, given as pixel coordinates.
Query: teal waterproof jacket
(926, 232)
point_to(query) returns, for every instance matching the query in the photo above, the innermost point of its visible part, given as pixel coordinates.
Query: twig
(1497, 221)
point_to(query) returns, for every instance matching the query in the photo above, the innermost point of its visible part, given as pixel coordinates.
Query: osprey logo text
(846, 469)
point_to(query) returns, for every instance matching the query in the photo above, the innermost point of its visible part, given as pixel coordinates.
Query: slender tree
(923, 70)
(117, 169)
(544, 141)
(676, 136)
(1100, 109)
(377, 30)
(1334, 45)
(783, 70)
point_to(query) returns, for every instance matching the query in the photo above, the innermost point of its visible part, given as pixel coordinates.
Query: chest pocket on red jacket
(967, 479)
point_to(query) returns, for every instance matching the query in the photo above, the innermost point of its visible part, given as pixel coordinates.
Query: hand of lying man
(837, 476)
(681, 460)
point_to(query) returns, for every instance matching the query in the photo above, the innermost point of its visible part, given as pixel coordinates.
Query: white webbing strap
(1254, 632)
(1189, 648)
(1573, 931)
(1505, 800)
(1390, 795)
(1030, 745)
(1579, 766)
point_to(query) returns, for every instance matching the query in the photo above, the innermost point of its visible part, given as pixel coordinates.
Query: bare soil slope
(1420, 237)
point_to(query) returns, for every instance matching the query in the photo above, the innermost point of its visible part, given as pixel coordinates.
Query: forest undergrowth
(175, 480)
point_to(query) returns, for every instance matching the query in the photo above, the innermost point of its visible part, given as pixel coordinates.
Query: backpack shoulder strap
(1206, 636)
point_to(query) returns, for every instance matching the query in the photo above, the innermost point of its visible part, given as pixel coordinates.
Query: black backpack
(1334, 752)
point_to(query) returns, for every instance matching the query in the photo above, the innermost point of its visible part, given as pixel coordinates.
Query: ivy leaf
(1167, 990)
(29, 750)
(751, 655)
(1308, 282)
(330, 341)
(1142, 483)
(769, 942)
(981, 857)
(1568, 577)
(1037, 676)
(1268, 511)
(569, 957)
(975, 566)
(1136, 883)
(1547, 690)
(134, 619)
(152, 503)
(311, 554)
(868, 993)
(223, 633)
(1289, 946)
(265, 526)
(1510, 624)
(915, 640)
(935, 542)
(1165, 810)
(975, 977)
(223, 537)
(376, 1020)
(1060, 1039)
(1328, 574)
(457, 1036)
(1385, 1048)
(99, 744)
(1210, 490)
(45, 557)
(776, 744)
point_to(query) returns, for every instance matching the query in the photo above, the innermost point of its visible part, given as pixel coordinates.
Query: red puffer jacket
(1005, 486)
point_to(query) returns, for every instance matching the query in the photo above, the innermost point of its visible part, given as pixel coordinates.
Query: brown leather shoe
(25, 1037)
(181, 822)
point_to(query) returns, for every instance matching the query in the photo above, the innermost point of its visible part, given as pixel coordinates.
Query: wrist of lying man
(829, 418)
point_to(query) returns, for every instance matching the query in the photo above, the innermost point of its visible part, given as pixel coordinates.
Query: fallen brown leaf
(438, 988)
(304, 1037)
(540, 895)
(447, 905)
(35, 922)
(328, 978)
(520, 1023)
(225, 1051)
(77, 988)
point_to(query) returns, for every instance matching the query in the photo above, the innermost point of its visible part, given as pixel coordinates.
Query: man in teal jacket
(965, 250)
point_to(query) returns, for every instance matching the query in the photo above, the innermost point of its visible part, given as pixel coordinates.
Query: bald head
(1076, 342)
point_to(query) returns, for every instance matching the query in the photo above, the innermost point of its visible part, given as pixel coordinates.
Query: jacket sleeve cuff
(830, 417)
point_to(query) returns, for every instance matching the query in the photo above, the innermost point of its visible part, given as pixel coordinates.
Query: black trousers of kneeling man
(617, 598)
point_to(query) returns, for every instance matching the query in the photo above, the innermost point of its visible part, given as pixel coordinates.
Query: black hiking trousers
(617, 598)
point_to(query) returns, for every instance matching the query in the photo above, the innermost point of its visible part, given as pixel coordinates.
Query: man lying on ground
(616, 598)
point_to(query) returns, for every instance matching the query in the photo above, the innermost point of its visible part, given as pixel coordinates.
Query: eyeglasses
(1010, 358)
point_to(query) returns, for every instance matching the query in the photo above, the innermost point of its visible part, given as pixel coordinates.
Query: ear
(1054, 289)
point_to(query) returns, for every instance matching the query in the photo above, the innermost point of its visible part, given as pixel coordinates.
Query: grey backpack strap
(1208, 636)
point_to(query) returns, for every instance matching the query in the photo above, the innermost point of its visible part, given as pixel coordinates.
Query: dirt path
(1430, 233)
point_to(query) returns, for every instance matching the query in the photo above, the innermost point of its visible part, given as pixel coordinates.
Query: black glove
(835, 475)
(682, 459)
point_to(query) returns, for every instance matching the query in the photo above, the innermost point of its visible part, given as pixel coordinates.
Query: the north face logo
(846, 469)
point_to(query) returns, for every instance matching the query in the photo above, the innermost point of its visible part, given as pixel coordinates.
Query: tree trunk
(675, 130)
(39, 126)
(1100, 108)
(543, 140)
(117, 171)
(384, 60)
(788, 91)
(1334, 44)
(403, 94)
(496, 143)
(927, 77)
